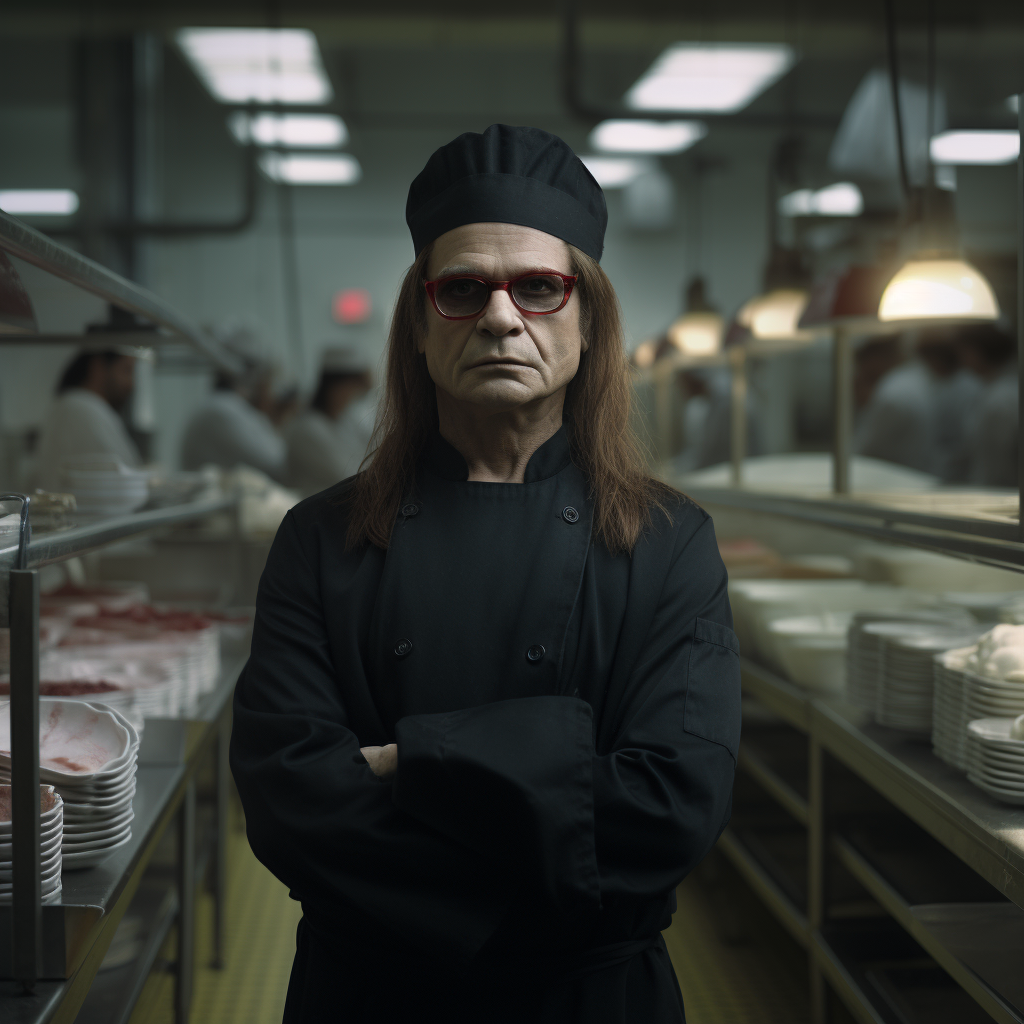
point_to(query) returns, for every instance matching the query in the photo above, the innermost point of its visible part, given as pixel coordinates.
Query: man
(325, 443)
(86, 417)
(492, 710)
(233, 427)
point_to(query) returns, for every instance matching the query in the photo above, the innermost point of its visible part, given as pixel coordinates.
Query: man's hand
(383, 761)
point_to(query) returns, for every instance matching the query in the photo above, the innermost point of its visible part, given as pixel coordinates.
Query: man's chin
(501, 394)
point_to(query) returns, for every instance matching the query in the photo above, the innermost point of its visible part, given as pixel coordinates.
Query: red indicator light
(351, 306)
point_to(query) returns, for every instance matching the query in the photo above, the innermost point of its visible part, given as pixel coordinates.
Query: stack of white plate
(103, 486)
(963, 696)
(949, 707)
(995, 759)
(905, 692)
(88, 753)
(864, 646)
(51, 822)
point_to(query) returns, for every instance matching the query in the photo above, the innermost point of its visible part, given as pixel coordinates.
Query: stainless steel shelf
(993, 541)
(26, 243)
(93, 901)
(847, 987)
(986, 835)
(751, 762)
(986, 995)
(791, 917)
(60, 545)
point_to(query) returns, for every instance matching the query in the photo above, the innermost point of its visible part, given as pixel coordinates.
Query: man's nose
(500, 316)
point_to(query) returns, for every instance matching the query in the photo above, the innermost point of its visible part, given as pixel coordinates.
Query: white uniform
(79, 423)
(898, 423)
(227, 431)
(322, 452)
(993, 443)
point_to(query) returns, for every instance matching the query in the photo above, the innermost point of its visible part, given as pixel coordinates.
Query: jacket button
(535, 653)
(570, 515)
(402, 648)
(410, 510)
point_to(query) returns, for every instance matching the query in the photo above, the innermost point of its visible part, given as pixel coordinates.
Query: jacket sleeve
(524, 777)
(316, 815)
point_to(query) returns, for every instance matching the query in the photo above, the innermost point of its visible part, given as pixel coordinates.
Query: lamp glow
(310, 169)
(719, 77)
(976, 147)
(774, 316)
(643, 354)
(936, 290)
(50, 202)
(614, 171)
(309, 130)
(257, 65)
(698, 334)
(646, 136)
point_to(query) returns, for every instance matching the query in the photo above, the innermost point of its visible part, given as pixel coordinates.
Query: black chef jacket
(567, 722)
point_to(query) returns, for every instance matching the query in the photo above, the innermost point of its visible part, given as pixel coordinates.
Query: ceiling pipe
(182, 228)
(579, 106)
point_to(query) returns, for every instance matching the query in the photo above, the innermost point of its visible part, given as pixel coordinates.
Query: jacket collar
(445, 461)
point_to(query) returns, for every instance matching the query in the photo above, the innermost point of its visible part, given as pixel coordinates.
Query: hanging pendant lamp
(938, 289)
(698, 334)
(930, 286)
(775, 315)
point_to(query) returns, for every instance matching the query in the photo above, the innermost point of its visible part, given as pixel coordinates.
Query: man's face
(502, 358)
(119, 381)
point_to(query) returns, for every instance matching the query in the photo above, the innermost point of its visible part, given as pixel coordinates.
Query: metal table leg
(24, 711)
(187, 907)
(219, 874)
(816, 877)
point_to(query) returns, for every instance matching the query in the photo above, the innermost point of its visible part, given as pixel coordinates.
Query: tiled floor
(749, 977)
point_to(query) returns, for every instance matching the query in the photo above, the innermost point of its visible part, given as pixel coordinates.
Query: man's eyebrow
(458, 268)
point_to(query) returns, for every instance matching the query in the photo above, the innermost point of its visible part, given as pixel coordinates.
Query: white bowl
(818, 663)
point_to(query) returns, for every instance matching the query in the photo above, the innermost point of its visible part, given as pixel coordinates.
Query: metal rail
(975, 540)
(26, 243)
(63, 544)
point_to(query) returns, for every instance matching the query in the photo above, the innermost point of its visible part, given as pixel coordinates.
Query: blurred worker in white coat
(991, 450)
(327, 442)
(85, 418)
(233, 426)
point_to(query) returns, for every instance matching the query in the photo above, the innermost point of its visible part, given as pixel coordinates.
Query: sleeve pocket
(713, 685)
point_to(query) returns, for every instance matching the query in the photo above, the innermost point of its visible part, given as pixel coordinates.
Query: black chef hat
(508, 175)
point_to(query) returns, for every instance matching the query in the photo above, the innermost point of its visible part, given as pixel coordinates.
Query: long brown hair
(597, 405)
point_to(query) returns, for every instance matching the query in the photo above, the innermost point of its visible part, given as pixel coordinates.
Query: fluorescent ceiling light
(842, 199)
(976, 147)
(53, 202)
(311, 169)
(299, 130)
(614, 171)
(936, 290)
(257, 65)
(721, 77)
(646, 136)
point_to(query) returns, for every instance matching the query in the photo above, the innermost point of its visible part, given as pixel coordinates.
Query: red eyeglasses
(463, 296)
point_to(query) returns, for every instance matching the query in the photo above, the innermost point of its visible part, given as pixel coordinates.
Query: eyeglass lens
(464, 296)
